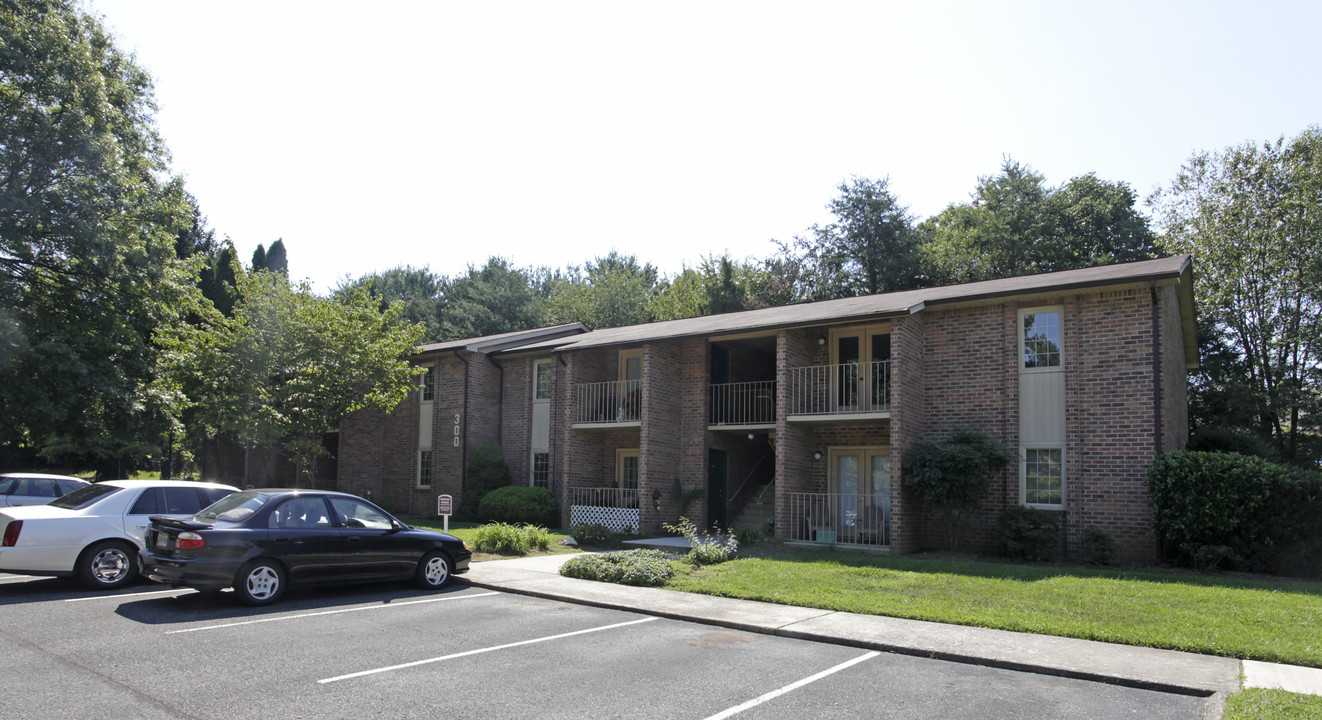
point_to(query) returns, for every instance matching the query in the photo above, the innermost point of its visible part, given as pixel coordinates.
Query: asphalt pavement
(1141, 667)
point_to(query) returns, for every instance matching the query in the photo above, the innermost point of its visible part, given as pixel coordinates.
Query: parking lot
(393, 651)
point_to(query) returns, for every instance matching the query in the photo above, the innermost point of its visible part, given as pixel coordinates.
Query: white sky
(372, 135)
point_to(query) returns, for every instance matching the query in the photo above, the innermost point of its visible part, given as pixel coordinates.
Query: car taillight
(11, 533)
(189, 541)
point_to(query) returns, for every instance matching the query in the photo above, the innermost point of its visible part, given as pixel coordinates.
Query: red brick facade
(953, 364)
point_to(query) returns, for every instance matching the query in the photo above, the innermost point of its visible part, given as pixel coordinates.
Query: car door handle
(354, 538)
(282, 539)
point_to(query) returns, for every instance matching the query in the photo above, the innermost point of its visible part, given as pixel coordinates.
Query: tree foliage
(416, 290)
(289, 365)
(1252, 215)
(89, 222)
(493, 299)
(611, 291)
(951, 475)
(1016, 225)
(870, 248)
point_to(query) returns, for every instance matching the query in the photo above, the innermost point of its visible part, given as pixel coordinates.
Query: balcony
(608, 404)
(744, 404)
(850, 389)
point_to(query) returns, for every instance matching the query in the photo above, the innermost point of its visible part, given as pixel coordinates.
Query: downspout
(1156, 369)
(500, 402)
(463, 442)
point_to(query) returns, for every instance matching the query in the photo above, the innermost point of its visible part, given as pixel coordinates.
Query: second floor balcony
(844, 389)
(618, 402)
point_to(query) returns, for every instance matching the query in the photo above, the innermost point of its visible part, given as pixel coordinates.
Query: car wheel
(260, 582)
(108, 565)
(434, 571)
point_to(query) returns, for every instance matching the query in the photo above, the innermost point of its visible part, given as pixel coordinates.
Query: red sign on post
(444, 505)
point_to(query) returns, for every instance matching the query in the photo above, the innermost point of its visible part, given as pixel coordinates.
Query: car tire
(433, 571)
(260, 582)
(108, 565)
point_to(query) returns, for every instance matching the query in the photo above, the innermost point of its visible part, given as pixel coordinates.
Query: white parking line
(127, 595)
(792, 687)
(485, 650)
(331, 612)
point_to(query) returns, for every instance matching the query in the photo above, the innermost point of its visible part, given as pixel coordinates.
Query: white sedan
(95, 532)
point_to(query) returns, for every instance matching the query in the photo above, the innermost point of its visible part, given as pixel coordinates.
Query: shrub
(486, 472)
(1097, 547)
(501, 538)
(591, 534)
(647, 568)
(951, 475)
(713, 549)
(1026, 533)
(748, 536)
(537, 536)
(1227, 510)
(518, 504)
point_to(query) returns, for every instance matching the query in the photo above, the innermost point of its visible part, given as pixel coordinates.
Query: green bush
(537, 536)
(591, 534)
(1227, 510)
(486, 472)
(648, 568)
(951, 475)
(501, 538)
(1097, 547)
(518, 504)
(1026, 533)
(709, 550)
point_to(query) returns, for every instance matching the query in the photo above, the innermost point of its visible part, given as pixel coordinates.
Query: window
(424, 468)
(541, 470)
(429, 383)
(542, 380)
(353, 513)
(626, 476)
(1043, 477)
(1039, 333)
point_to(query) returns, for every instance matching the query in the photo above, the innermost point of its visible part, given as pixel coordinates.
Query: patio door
(861, 491)
(858, 359)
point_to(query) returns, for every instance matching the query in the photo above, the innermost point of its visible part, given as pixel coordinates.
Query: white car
(35, 488)
(95, 532)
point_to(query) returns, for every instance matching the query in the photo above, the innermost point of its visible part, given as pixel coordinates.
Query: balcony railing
(608, 402)
(839, 518)
(603, 497)
(744, 403)
(840, 389)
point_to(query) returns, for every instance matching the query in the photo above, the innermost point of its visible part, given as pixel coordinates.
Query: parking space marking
(127, 595)
(793, 686)
(479, 651)
(331, 612)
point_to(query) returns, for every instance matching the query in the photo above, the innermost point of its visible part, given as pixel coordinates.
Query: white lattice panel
(621, 520)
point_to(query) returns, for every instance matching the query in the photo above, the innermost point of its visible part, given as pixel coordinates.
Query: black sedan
(260, 541)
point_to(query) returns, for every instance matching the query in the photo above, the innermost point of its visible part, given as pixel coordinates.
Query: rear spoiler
(180, 523)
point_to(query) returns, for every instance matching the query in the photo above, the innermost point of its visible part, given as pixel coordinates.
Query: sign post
(444, 507)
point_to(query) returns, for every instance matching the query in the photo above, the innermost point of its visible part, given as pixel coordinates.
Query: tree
(951, 475)
(259, 258)
(417, 290)
(89, 222)
(1016, 225)
(1252, 216)
(495, 298)
(277, 259)
(289, 365)
(612, 291)
(870, 248)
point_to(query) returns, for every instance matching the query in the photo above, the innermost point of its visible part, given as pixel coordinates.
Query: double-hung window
(1042, 407)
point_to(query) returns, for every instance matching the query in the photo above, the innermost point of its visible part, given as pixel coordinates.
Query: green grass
(1272, 705)
(1253, 619)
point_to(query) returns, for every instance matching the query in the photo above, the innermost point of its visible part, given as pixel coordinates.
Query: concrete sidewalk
(1141, 667)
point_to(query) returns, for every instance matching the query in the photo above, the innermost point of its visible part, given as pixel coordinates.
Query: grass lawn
(1272, 704)
(1216, 615)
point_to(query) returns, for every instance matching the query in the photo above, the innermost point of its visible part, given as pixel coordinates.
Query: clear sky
(373, 135)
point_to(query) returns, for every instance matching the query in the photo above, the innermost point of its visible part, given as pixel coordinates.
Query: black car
(260, 541)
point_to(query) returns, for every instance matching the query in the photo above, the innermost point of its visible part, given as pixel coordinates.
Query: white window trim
(532, 468)
(418, 470)
(1019, 338)
(536, 374)
(1023, 476)
(422, 382)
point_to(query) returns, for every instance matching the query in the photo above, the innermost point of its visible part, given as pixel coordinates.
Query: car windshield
(234, 508)
(84, 496)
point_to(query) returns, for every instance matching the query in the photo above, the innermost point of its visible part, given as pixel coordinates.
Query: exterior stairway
(758, 510)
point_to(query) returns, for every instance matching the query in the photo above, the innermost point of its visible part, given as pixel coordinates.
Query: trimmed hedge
(1215, 509)
(515, 504)
(1025, 533)
(647, 568)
